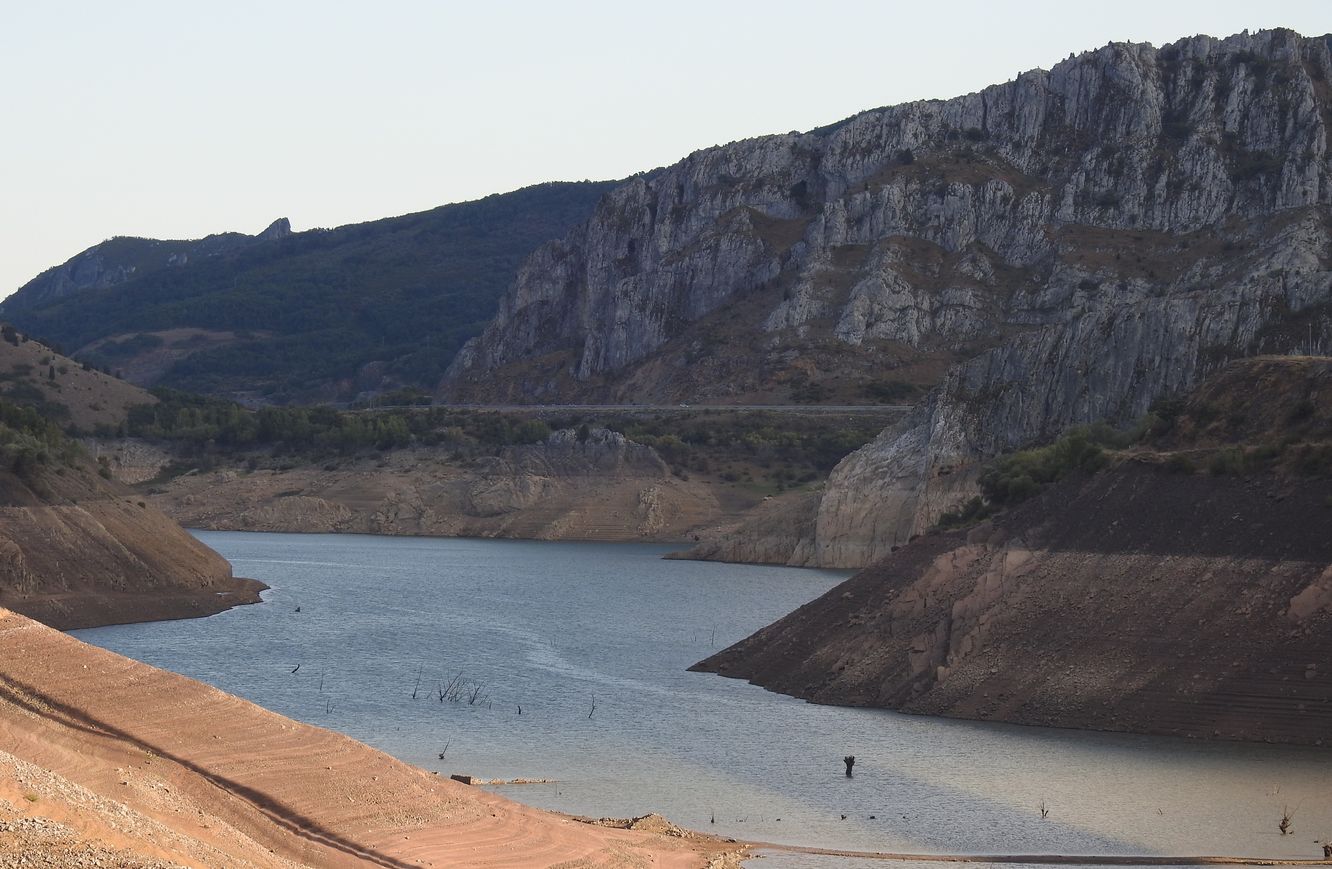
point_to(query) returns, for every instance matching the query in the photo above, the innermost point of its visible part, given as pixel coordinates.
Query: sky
(181, 119)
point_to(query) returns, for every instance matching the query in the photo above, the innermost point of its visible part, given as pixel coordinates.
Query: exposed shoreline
(119, 757)
(100, 609)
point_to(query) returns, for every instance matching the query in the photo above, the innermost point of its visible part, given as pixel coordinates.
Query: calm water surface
(592, 641)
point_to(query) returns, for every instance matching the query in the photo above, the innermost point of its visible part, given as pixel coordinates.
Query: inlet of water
(592, 642)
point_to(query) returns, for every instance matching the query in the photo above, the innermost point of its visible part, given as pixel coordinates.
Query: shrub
(1314, 460)
(1226, 463)
(1164, 413)
(1301, 411)
(1017, 477)
(973, 511)
(889, 391)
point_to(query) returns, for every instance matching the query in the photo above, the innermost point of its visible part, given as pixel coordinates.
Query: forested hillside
(311, 315)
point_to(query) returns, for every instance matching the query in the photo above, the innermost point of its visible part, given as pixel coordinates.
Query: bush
(1166, 412)
(971, 512)
(810, 393)
(1227, 463)
(1314, 460)
(531, 431)
(1017, 477)
(890, 391)
(1302, 411)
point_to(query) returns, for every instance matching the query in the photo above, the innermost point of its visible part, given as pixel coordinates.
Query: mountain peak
(280, 228)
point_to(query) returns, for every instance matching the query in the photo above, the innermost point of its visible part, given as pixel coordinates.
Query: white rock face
(1101, 234)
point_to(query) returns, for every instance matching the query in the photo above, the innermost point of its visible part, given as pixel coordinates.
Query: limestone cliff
(1073, 243)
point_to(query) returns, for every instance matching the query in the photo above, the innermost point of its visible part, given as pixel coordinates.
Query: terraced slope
(146, 765)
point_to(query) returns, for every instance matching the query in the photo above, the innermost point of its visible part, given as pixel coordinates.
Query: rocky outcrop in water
(1081, 240)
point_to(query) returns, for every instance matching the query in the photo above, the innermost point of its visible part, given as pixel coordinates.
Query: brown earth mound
(105, 758)
(1136, 600)
(1181, 592)
(79, 551)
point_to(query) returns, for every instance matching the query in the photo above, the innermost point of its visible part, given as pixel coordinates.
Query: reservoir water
(592, 641)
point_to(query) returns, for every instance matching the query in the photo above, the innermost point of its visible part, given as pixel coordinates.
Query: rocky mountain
(1062, 248)
(282, 316)
(119, 260)
(1184, 589)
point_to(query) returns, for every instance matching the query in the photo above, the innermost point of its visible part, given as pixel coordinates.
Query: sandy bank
(79, 551)
(105, 758)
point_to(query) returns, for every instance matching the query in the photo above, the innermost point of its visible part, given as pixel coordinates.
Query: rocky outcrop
(1084, 239)
(775, 536)
(579, 484)
(280, 228)
(523, 476)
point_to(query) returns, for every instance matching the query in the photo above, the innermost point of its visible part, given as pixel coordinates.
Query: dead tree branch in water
(1287, 816)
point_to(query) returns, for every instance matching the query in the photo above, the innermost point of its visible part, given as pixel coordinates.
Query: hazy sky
(175, 120)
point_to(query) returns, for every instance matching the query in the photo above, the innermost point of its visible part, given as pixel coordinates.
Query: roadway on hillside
(872, 409)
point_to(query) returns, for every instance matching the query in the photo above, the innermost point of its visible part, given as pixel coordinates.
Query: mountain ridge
(1060, 249)
(323, 314)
